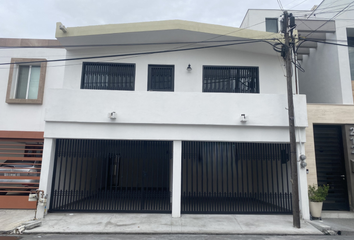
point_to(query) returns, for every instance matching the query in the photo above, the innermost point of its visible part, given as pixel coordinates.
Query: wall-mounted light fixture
(63, 28)
(243, 117)
(112, 115)
(303, 164)
(189, 68)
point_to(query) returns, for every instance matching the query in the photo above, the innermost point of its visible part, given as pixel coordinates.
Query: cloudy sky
(37, 18)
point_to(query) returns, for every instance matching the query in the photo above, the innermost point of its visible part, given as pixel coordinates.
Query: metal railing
(108, 76)
(230, 79)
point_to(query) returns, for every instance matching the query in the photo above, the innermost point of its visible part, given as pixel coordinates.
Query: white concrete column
(302, 178)
(46, 178)
(176, 178)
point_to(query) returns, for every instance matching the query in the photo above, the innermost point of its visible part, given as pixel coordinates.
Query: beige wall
(333, 115)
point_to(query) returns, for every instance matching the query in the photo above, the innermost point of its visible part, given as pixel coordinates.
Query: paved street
(170, 237)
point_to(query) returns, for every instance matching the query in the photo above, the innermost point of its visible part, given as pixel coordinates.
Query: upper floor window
(230, 79)
(272, 25)
(26, 81)
(108, 76)
(161, 78)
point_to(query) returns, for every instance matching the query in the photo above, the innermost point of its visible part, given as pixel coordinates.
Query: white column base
(46, 178)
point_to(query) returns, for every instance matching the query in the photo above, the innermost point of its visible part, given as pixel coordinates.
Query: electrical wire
(140, 53)
(280, 5)
(343, 10)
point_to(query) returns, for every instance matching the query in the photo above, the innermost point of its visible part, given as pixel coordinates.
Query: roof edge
(160, 26)
(27, 42)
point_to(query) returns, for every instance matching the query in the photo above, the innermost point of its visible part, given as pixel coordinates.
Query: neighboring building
(328, 86)
(171, 116)
(24, 97)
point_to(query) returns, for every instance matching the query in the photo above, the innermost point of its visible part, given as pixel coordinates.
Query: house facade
(22, 114)
(325, 55)
(171, 117)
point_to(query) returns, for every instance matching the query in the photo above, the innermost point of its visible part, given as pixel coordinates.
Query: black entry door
(330, 166)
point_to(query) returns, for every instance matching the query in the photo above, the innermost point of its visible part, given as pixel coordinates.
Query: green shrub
(318, 194)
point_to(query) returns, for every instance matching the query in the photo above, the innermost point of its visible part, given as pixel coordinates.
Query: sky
(37, 18)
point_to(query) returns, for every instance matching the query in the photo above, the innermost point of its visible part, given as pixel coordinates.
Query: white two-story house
(171, 117)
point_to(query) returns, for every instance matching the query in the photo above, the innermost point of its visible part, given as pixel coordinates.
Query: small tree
(318, 194)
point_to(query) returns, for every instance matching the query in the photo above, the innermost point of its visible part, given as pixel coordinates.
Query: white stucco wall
(28, 117)
(327, 78)
(185, 114)
(327, 71)
(321, 81)
(271, 73)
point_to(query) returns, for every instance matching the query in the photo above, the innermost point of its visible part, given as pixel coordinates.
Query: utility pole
(287, 58)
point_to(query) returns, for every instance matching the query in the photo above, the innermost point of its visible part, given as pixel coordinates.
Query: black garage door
(111, 176)
(226, 177)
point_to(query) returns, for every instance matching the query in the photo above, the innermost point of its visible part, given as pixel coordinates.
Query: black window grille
(161, 78)
(108, 76)
(230, 79)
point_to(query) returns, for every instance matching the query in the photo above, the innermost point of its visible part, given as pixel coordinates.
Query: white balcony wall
(28, 117)
(171, 116)
(271, 72)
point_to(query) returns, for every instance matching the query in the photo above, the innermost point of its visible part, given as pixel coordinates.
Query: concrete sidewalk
(10, 219)
(165, 224)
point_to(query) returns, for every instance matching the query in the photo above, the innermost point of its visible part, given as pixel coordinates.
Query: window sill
(24, 101)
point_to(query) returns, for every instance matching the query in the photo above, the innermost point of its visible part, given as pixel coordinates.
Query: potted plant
(317, 195)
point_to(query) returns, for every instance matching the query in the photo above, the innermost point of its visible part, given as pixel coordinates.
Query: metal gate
(20, 169)
(111, 176)
(330, 166)
(226, 177)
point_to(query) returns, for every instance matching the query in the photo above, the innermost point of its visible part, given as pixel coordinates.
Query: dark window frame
(231, 79)
(276, 24)
(113, 71)
(151, 86)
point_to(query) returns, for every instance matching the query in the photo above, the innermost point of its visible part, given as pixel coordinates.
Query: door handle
(342, 175)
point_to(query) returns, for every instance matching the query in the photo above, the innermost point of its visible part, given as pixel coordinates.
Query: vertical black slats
(65, 162)
(108, 76)
(330, 165)
(252, 165)
(85, 177)
(71, 199)
(76, 172)
(277, 173)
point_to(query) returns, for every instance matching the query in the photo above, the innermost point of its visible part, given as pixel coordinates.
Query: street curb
(327, 230)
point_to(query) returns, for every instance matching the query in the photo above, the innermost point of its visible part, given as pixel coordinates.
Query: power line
(298, 4)
(280, 5)
(142, 53)
(325, 42)
(330, 18)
